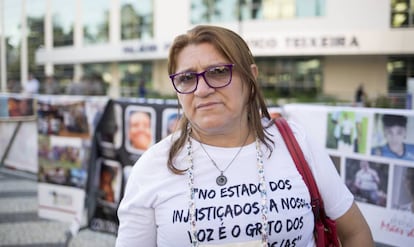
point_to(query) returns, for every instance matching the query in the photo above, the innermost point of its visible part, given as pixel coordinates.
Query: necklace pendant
(221, 180)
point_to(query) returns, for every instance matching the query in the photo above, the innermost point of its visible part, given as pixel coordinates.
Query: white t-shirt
(155, 207)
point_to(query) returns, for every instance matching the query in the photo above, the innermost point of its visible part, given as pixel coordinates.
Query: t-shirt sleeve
(137, 219)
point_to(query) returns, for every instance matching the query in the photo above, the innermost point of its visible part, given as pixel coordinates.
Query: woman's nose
(203, 88)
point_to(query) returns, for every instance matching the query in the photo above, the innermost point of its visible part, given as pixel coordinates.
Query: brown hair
(234, 48)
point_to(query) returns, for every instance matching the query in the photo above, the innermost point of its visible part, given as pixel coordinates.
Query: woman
(226, 177)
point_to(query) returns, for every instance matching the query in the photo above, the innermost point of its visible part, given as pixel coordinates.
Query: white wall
(343, 74)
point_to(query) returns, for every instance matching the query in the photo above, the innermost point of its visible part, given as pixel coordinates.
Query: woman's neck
(231, 139)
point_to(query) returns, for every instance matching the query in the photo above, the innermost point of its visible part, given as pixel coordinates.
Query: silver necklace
(263, 195)
(221, 179)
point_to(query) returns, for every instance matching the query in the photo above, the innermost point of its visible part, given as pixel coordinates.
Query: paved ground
(20, 225)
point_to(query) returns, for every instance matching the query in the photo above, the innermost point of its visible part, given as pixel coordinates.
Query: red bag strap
(301, 164)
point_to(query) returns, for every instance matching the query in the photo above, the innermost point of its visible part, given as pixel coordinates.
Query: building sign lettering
(291, 43)
(140, 48)
(321, 42)
(263, 43)
(147, 48)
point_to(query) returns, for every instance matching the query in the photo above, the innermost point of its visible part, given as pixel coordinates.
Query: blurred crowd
(87, 85)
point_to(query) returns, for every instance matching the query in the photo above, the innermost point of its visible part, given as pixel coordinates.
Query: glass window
(214, 11)
(412, 13)
(251, 9)
(306, 8)
(63, 14)
(13, 40)
(399, 70)
(95, 21)
(205, 11)
(402, 12)
(290, 76)
(35, 10)
(137, 19)
(278, 9)
(132, 75)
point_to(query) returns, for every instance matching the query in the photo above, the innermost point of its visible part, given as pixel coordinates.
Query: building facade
(301, 46)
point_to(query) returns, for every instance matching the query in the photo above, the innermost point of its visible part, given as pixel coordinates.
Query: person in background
(225, 177)
(142, 89)
(96, 85)
(13, 86)
(360, 96)
(395, 133)
(32, 85)
(51, 86)
(83, 87)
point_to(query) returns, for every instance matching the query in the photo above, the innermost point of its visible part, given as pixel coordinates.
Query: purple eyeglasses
(216, 76)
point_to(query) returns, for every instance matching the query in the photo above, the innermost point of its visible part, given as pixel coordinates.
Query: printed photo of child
(392, 138)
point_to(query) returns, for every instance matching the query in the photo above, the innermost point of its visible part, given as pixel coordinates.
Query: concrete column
(3, 70)
(114, 90)
(78, 72)
(24, 67)
(115, 22)
(49, 69)
(78, 30)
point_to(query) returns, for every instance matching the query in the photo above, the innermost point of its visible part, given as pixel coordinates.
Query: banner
(86, 148)
(127, 128)
(65, 126)
(373, 150)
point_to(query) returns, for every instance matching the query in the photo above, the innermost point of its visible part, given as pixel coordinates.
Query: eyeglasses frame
(202, 73)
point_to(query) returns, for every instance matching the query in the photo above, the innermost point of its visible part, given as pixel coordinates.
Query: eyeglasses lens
(215, 77)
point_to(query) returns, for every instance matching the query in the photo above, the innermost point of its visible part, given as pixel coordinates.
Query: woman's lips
(206, 105)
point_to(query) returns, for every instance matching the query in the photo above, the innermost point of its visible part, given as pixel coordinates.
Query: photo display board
(86, 148)
(373, 150)
(125, 131)
(65, 125)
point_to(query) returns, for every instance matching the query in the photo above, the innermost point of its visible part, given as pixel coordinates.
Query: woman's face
(211, 111)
